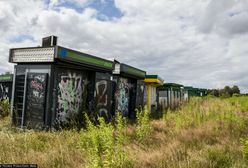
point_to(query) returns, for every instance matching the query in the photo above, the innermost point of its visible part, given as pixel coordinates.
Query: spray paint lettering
(36, 87)
(122, 96)
(69, 95)
(102, 97)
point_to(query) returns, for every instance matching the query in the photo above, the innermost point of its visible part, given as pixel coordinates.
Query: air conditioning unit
(49, 41)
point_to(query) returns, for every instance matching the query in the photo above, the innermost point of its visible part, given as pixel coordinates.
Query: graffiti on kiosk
(102, 97)
(37, 83)
(69, 95)
(3, 92)
(122, 96)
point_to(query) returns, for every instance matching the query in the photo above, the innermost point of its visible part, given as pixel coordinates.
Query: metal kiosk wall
(55, 85)
(129, 89)
(189, 91)
(6, 82)
(170, 95)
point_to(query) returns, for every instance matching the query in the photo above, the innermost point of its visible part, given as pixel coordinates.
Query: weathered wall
(140, 94)
(122, 96)
(103, 95)
(70, 86)
(163, 99)
(125, 97)
(169, 98)
(36, 98)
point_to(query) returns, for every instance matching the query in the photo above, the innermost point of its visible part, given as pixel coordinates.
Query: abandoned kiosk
(170, 95)
(54, 85)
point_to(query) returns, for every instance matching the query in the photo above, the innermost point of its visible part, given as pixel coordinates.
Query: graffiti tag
(122, 96)
(70, 91)
(101, 93)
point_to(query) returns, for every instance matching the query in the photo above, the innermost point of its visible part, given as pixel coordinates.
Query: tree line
(227, 91)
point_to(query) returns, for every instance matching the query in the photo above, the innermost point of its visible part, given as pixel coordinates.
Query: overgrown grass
(47, 149)
(208, 132)
(205, 132)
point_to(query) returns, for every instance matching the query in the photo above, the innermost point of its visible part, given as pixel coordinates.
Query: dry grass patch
(47, 149)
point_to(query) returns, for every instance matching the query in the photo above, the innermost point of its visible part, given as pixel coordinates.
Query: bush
(4, 108)
(102, 147)
(143, 129)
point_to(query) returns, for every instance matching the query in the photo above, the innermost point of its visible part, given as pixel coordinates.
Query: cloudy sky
(193, 42)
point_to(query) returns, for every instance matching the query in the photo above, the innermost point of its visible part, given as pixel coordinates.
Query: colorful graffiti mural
(70, 92)
(123, 96)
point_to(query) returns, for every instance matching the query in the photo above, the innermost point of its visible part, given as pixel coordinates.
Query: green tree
(235, 90)
(215, 92)
(226, 92)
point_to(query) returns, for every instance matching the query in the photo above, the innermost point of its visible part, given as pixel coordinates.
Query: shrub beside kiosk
(54, 85)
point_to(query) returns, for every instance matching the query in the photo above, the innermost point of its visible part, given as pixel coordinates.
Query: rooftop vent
(49, 41)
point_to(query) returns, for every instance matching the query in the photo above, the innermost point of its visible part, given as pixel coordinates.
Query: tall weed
(143, 129)
(102, 147)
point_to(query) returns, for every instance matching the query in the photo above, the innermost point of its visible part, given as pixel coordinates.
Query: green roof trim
(171, 85)
(6, 78)
(188, 88)
(75, 56)
(152, 76)
(132, 71)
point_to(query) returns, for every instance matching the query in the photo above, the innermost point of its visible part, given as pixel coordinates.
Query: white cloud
(200, 43)
(225, 17)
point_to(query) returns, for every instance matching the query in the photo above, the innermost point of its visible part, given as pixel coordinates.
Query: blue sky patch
(107, 9)
(21, 38)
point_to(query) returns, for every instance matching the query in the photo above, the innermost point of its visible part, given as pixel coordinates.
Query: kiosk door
(35, 101)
